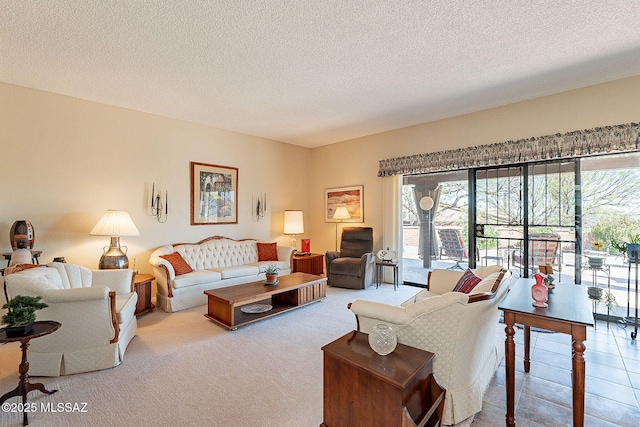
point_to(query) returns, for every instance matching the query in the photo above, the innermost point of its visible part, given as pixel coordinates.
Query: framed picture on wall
(351, 198)
(214, 194)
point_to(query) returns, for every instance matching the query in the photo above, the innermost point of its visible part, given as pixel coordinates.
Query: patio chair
(543, 250)
(452, 245)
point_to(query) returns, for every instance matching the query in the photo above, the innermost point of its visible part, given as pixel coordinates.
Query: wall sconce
(259, 206)
(156, 204)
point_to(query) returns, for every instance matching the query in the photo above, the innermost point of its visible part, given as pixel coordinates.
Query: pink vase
(539, 292)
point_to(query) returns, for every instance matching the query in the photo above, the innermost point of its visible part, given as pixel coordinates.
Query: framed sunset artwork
(351, 197)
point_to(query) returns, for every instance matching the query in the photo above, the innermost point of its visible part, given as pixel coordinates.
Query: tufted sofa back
(217, 253)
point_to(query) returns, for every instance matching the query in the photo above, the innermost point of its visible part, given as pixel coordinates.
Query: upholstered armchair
(353, 266)
(95, 307)
(460, 329)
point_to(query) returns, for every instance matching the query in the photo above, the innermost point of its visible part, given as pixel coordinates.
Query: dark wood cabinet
(142, 286)
(310, 264)
(363, 389)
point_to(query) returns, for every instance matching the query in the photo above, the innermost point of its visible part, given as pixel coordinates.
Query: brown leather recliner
(353, 266)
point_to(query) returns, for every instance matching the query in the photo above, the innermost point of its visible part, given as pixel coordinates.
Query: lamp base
(113, 257)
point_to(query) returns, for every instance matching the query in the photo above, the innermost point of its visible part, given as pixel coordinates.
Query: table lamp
(293, 224)
(115, 224)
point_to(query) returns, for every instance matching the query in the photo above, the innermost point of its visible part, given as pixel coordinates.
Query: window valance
(618, 138)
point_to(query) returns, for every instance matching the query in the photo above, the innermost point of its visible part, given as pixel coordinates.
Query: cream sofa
(216, 262)
(95, 307)
(460, 329)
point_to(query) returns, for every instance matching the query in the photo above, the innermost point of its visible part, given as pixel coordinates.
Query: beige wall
(356, 161)
(59, 175)
(66, 161)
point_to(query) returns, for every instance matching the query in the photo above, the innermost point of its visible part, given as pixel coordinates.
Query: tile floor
(543, 396)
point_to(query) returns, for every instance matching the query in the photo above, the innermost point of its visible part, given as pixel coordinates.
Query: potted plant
(272, 274)
(603, 296)
(21, 314)
(631, 248)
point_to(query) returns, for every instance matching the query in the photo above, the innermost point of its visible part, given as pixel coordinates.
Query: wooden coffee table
(292, 291)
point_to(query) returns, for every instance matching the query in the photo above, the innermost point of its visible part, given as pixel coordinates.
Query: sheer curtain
(392, 221)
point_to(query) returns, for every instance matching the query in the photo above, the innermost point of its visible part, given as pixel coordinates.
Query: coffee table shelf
(292, 291)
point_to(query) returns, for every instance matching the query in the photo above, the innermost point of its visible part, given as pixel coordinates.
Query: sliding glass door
(524, 216)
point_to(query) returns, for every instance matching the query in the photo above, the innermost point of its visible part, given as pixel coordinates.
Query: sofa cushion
(262, 266)
(267, 251)
(196, 277)
(419, 297)
(487, 283)
(125, 306)
(346, 266)
(467, 282)
(178, 263)
(485, 271)
(237, 271)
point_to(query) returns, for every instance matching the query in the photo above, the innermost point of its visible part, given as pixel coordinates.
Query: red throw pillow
(467, 282)
(267, 251)
(178, 263)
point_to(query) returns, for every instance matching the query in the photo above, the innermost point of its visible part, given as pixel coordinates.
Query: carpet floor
(183, 370)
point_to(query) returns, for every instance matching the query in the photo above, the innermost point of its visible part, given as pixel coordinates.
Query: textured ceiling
(318, 71)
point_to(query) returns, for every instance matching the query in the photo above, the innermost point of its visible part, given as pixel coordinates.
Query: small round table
(24, 386)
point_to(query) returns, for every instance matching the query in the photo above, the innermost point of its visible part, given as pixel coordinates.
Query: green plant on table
(22, 309)
(272, 269)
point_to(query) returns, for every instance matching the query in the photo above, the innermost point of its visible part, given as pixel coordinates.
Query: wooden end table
(142, 286)
(363, 389)
(24, 386)
(311, 264)
(568, 313)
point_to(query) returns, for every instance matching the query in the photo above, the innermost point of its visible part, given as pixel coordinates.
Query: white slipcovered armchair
(460, 329)
(95, 307)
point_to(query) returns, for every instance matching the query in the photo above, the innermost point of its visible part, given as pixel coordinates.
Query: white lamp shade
(293, 222)
(115, 223)
(21, 256)
(341, 213)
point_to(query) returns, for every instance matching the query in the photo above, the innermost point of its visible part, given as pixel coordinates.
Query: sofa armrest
(367, 259)
(402, 315)
(114, 317)
(119, 281)
(394, 314)
(163, 265)
(86, 316)
(331, 255)
(285, 253)
(328, 257)
(55, 296)
(164, 273)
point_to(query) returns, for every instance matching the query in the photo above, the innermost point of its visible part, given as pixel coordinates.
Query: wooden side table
(363, 389)
(24, 386)
(142, 286)
(310, 264)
